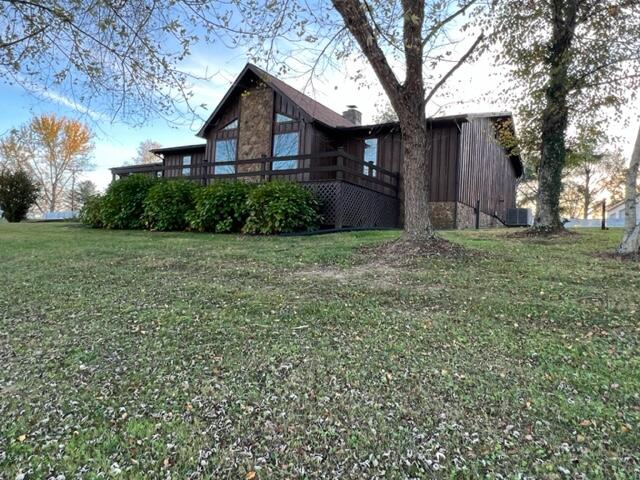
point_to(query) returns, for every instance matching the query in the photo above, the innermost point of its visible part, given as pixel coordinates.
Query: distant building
(616, 212)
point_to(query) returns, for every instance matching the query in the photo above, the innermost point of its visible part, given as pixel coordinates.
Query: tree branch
(412, 36)
(455, 67)
(19, 40)
(355, 19)
(436, 28)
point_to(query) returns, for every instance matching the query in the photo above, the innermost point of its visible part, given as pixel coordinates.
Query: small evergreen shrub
(277, 207)
(168, 203)
(221, 207)
(123, 204)
(91, 212)
(18, 192)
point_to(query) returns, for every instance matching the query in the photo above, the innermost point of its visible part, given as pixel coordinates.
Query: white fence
(63, 215)
(594, 223)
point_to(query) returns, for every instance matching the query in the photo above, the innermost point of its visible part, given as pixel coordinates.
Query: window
(370, 155)
(186, 165)
(281, 118)
(285, 145)
(231, 125)
(225, 152)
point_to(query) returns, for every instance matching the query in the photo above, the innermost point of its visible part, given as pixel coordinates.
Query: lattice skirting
(348, 205)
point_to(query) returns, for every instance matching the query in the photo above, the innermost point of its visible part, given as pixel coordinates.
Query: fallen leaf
(22, 438)
(250, 475)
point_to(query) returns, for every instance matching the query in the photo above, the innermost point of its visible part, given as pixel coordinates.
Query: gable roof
(314, 109)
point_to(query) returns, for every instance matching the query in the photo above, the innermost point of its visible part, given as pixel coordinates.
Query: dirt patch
(404, 251)
(543, 234)
(378, 276)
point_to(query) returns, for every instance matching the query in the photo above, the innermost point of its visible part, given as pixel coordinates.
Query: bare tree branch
(460, 62)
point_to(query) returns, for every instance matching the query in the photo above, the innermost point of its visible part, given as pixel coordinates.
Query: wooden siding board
(486, 172)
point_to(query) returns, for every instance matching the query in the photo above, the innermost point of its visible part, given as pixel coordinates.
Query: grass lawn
(149, 355)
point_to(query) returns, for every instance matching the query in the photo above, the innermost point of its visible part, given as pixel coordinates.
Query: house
(615, 213)
(264, 129)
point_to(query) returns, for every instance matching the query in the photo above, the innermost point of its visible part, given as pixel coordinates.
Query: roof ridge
(337, 119)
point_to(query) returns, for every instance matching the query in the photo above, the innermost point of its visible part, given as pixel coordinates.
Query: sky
(473, 89)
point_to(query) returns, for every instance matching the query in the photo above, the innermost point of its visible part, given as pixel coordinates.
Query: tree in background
(79, 194)
(53, 150)
(18, 192)
(572, 61)
(143, 153)
(592, 178)
(631, 238)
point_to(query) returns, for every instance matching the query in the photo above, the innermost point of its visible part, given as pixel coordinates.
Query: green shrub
(221, 207)
(123, 204)
(276, 207)
(91, 211)
(17, 194)
(168, 203)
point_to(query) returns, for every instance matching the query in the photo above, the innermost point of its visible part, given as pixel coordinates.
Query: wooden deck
(321, 167)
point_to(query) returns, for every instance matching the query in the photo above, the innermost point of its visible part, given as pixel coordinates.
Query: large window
(285, 145)
(186, 165)
(225, 152)
(370, 155)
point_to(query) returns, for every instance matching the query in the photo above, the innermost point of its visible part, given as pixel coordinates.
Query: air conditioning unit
(519, 217)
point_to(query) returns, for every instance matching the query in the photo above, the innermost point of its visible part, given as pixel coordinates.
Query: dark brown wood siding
(174, 159)
(444, 143)
(485, 172)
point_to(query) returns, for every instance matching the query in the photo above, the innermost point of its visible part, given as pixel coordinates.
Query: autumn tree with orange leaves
(54, 150)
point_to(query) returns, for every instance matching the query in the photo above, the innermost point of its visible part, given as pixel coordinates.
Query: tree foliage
(593, 177)
(79, 194)
(575, 63)
(53, 150)
(18, 192)
(121, 59)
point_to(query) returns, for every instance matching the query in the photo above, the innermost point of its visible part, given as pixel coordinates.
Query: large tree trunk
(417, 220)
(407, 99)
(587, 194)
(631, 238)
(555, 117)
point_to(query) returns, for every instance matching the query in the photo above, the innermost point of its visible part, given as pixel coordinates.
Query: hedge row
(139, 201)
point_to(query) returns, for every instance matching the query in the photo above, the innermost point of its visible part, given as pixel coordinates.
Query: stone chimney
(353, 115)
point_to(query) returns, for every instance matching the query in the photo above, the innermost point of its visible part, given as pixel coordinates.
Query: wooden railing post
(263, 168)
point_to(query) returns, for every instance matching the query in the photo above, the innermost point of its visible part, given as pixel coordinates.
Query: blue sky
(471, 90)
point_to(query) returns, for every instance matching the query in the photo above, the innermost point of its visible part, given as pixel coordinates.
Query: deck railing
(325, 166)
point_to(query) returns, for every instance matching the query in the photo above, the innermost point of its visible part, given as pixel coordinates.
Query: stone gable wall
(256, 117)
